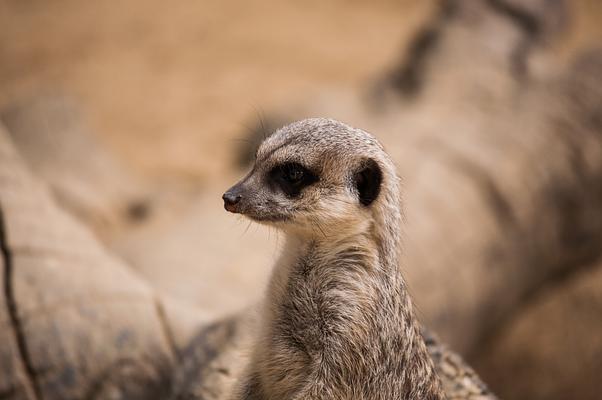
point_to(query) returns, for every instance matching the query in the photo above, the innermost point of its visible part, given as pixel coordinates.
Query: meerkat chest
(326, 311)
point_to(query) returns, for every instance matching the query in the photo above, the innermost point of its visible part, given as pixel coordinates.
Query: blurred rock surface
(553, 344)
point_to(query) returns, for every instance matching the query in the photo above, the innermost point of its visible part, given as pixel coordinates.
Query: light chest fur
(339, 317)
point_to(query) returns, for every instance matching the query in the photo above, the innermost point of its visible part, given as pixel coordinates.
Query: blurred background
(137, 116)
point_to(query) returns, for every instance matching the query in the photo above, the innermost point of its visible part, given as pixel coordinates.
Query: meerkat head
(314, 176)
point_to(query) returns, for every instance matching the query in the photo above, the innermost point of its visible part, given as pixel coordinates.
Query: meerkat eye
(293, 173)
(292, 177)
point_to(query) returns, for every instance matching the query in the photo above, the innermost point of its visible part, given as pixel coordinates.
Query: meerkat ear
(367, 182)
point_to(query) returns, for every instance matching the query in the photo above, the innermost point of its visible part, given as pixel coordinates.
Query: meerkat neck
(339, 315)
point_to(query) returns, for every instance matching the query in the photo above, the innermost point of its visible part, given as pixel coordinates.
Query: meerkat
(338, 321)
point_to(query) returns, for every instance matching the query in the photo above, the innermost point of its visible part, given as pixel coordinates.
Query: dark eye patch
(291, 178)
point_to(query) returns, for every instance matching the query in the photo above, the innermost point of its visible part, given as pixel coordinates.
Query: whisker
(261, 117)
(247, 228)
(315, 221)
(247, 127)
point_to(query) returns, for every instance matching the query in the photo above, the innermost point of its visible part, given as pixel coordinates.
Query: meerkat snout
(315, 174)
(231, 198)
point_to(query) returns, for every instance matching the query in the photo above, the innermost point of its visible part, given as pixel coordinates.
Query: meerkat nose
(230, 200)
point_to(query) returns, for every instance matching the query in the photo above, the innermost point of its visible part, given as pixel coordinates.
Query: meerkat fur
(338, 322)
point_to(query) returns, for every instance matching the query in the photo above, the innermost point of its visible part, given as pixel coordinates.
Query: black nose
(231, 198)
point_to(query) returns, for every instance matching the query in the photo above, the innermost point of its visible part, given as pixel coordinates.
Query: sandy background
(172, 90)
(171, 87)
(169, 90)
